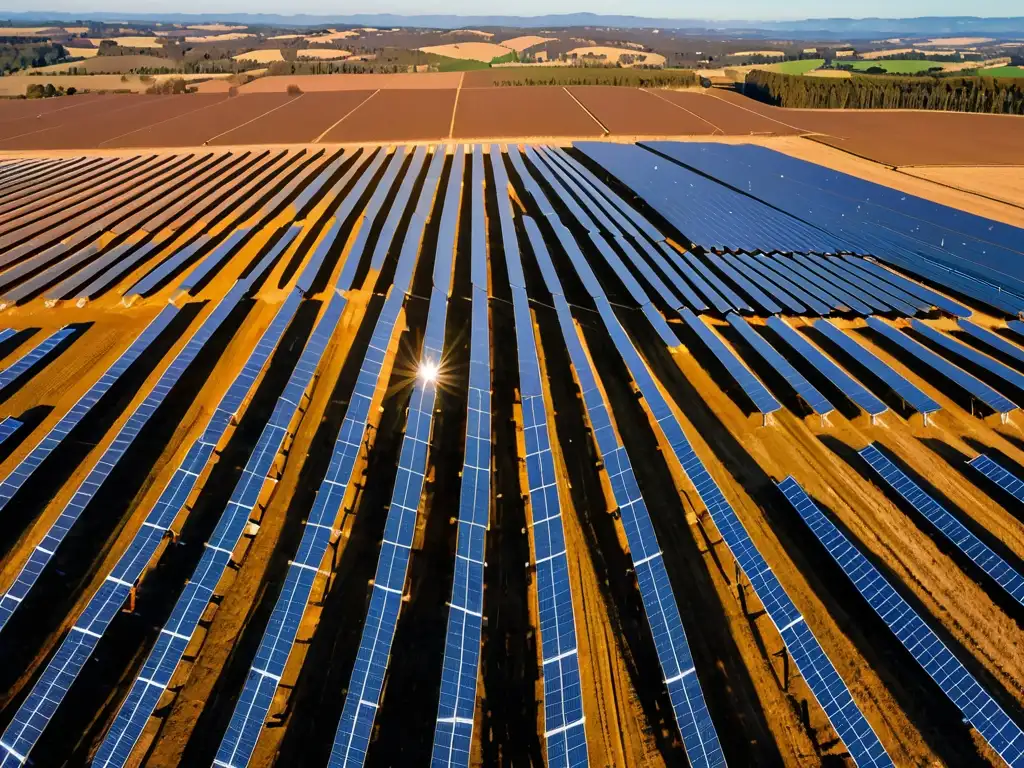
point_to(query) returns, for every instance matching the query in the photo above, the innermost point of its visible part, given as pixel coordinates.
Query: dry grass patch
(216, 27)
(614, 54)
(263, 57)
(776, 54)
(332, 37)
(82, 53)
(957, 41)
(520, 44)
(471, 51)
(227, 37)
(323, 53)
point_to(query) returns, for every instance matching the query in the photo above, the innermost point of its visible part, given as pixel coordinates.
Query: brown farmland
(635, 112)
(508, 112)
(303, 120)
(398, 115)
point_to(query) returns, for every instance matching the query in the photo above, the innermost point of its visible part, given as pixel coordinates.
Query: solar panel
(759, 395)
(8, 427)
(730, 301)
(846, 294)
(448, 230)
(839, 378)
(992, 340)
(808, 393)
(1004, 373)
(1001, 477)
(508, 229)
(457, 704)
(624, 209)
(659, 601)
(169, 266)
(851, 288)
(253, 704)
(906, 391)
(645, 269)
(687, 271)
(873, 285)
(43, 552)
(765, 302)
(1016, 326)
(561, 192)
(695, 302)
(914, 289)
(34, 357)
(63, 669)
(27, 466)
(367, 681)
(215, 258)
(529, 182)
(771, 283)
(6, 333)
(478, 230)
(176, 634)
(814, 295)
(979, 553)
(961, 378)
(977, 705)
(821, 676)
(610, 221)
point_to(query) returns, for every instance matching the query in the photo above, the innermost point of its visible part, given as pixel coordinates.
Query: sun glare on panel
(428, 371)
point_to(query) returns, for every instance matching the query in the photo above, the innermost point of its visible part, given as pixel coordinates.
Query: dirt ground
(497, 112)
(1005, 184)
(763, 717)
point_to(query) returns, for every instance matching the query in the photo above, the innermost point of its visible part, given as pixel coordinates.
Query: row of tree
(952, 94)
(17, 56)
(630, 77)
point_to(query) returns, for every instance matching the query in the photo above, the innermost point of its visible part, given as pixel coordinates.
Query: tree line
(1004, 96)
(634, 78)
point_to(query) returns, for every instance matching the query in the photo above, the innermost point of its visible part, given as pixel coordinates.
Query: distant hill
(958, 26)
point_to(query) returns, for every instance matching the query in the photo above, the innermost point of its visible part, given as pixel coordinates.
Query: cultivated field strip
(225, 380)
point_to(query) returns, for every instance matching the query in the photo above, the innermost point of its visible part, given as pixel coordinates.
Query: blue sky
(737, 9)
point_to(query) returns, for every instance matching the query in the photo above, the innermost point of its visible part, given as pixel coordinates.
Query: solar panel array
(947, 524)
(456, 709)
(990, 339)
(177, 632)
(1001, 477)
(33, 357)
(807, 391)
(564, 727)
(699, 736)
(62, 670)
(845, 383)
(367, 681)
(253, 704)
(27, 466)
(1008, 377)
(980, 390)
(906, 391)
(962, 688)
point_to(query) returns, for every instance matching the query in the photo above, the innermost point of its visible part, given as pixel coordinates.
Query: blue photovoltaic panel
(457, 705)
(692, 716)
(686, 270)
(35, 712)
(824, 682)
(906, 391)
(478, 224)
(873, 285)
(253, 704)
(6, 333)
(564, 731)
(814, 296)
(8, 427)
(756, 391)
(33, 357)
(846, 294)
(650, 275)
(786, 293)
(808, 393)
(839, 378)
(977, 705)
(449, 227)
(979, 553)
(167, 267)
(992, 340)
(696, 303)
(564, 195)
(23, 471)
(588, 199)
(1005, 480)
(398, 205)
(584, 175)
(213, 260)
(539, 198)
(87, 489)
(915, 289)
(170, 644)
(961, 378)
(366, 684)
(856, 293)
(340, 215)
(765, 302)
(508, 229)
(730, 299)
(310, 190)
(1016, 326)
(1005, 373)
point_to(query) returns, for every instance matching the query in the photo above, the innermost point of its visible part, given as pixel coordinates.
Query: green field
(896, 66)
(800, 67)
(1002, 72)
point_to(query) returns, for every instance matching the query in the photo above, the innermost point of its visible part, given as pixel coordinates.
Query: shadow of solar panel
(840, 378)
(34, 357)
(759, 395)
(807, 392)
(48, 693)
(906, 391)
(979, 553)
(170, 644)
(978, 707)
(961, 378)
